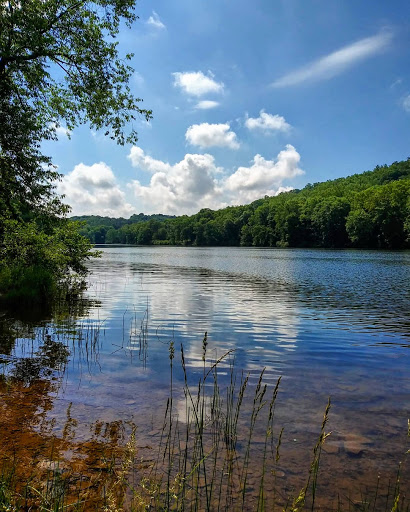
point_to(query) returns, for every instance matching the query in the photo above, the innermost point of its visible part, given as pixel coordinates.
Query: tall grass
(219, 450)
(210, 460)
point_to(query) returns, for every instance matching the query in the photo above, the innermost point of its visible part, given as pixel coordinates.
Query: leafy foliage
(369, 210)
(33, 262)
(59, 65)
(60, 58)
(101, 230)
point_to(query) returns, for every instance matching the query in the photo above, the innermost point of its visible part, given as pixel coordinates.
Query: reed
(221, 454)
(203, 467)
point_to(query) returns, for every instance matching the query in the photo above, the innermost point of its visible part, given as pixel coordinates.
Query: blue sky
(248, 98)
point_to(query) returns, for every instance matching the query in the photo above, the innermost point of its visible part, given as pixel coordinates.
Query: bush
(35, 263)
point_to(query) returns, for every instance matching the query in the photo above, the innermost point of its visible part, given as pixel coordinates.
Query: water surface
(331, 323)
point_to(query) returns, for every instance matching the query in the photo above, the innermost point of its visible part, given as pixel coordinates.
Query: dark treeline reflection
(36, 343)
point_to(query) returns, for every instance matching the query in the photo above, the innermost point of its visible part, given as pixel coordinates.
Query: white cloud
(196, 182)
(146, 163)
(264, 177)
(206, 104)
(281, 190)
(195, 83)
(154, 21)
(93, 190)
(396, 83)
(207, 135)
(267, 123)
(406, 103)
(185, 187)
(182, 188)
(336, 62)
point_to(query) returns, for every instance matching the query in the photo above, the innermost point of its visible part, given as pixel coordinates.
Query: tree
(33, 262)
(329, 222)
(379, 216)
(59, 65)
(367, 210)
(361, 228)
(290, 231)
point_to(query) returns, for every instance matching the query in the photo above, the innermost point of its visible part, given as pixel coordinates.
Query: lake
(329, 323)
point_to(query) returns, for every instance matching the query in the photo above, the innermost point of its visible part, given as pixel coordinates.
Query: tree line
(95, 227)
(367, 210)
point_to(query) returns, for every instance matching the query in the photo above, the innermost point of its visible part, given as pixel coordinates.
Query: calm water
(331, 323)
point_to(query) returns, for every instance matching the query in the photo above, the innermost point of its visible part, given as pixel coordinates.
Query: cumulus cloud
(93, 190)
(406, 103)
(267, 123)
(207, 135)
(264, 176)
(185, 187)
(154, 21)
(336, 62)
(195, 83)
(196, 182)
(147, 163)
(206, 104)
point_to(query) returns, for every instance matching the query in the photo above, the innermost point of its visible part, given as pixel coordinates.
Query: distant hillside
(96, 227)
(368, 210)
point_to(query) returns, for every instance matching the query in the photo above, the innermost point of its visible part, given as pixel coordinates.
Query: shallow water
(331, 323)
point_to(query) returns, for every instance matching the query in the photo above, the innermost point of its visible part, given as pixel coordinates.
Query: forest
(367, 210)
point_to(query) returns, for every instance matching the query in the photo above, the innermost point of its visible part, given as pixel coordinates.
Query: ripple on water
(329, 322)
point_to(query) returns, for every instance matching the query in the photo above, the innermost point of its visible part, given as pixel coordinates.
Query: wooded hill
(368, 210)
(96, 227)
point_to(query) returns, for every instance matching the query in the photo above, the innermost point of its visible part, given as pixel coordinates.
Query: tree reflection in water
(57, 459)
(44, 467)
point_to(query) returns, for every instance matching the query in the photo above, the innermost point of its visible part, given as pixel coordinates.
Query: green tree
(371, 209)
(112, 236)
(329, 222)
(231, 231)
(40, 260)
(60, 65)
(213, 233)
(379, 216)
(361, 229)
(290, 230)
(144, 236)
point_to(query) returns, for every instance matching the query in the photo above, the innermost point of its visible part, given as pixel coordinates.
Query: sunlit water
(331, 323)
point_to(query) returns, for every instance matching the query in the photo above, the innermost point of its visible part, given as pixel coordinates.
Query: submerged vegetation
(219, 445)
(368, 210)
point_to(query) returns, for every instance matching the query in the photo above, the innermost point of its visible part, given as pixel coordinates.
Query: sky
(249, 99)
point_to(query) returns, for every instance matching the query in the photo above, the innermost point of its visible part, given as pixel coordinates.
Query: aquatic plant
(219, 450)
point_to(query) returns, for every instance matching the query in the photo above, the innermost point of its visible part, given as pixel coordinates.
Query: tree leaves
(60, 64)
